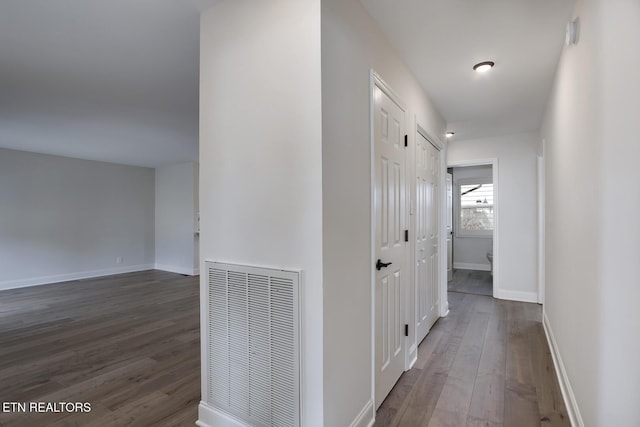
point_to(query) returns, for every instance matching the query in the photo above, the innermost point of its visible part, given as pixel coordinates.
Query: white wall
(260, 153)
(573, 246)
(176, 208)
(592, 272)
(470, 252)
(620, 291)
(516, 277)
(64, 219)
(352, 44)
(473, 172)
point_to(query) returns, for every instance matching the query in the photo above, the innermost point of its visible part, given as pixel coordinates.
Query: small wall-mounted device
(572, 35)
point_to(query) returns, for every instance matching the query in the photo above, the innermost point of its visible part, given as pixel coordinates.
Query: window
(476, 210)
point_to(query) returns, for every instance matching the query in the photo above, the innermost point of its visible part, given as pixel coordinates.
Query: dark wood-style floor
(471, 282)
(127, 344)
(486, 364)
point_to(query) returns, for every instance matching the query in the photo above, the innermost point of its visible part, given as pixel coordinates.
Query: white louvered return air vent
(253, 349)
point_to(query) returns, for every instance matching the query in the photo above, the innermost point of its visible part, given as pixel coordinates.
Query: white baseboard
(366, 417)
(565, 386)
(44, 280)
(413, 355)
(413, 361)
(516, 295)
(471, 266)
(444, 312)
(212, 417)
(179, 270)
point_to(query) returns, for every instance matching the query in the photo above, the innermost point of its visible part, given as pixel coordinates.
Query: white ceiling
(110, 80)
(117, 80)
(441, 40)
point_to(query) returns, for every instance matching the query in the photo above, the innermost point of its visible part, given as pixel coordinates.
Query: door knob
(380, 264)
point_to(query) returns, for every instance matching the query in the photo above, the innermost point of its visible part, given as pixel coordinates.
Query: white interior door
(449, 227)
(427, 235)
(390, 245)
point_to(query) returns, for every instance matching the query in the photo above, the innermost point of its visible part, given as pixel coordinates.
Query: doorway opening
(473, 218)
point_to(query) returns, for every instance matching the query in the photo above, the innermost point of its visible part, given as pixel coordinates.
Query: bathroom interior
(472, 230)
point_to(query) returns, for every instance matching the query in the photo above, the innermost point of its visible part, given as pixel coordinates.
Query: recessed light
(483, 67)
(449, 134)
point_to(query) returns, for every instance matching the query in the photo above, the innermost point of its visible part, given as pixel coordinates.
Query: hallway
(486, 364)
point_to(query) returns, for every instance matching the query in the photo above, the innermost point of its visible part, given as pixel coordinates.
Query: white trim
(413, 350)
(521, 296)
(412, 300)
(176, 269)
(366, 417)
(372, 178)
(541, 225)
(496, 216)
(203, 409)
(436, 142)
(444, 295)
(45, 280)
(209, 416)
(570, 402)
(413, 360)
(377, 80)
(471, 266)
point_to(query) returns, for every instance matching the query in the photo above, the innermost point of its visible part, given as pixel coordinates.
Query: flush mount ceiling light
(449, 134)
(483, 67)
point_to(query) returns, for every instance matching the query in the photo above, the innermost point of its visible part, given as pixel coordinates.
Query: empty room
(319, 213)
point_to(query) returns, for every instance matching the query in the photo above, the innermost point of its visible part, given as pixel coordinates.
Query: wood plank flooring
(486, 364)
(471, 282)
(127, 344)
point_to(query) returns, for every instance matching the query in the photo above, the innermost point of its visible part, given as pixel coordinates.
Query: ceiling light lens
(483, 67)
(449, 134)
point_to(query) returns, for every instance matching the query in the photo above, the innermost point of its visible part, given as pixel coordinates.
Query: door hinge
(406, 235)
(406, 330)
(406, 140)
